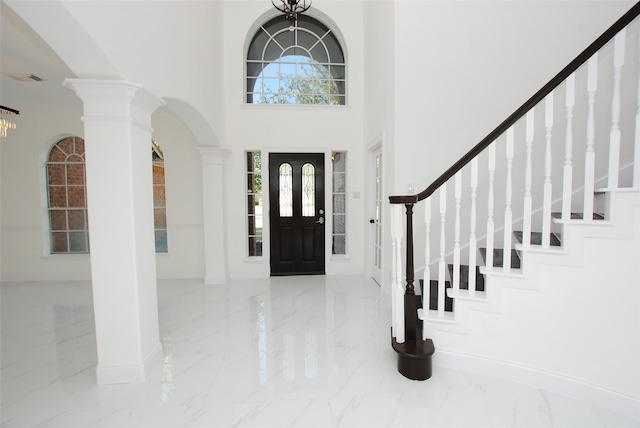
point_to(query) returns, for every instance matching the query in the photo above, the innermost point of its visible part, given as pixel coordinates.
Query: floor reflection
(275, 352)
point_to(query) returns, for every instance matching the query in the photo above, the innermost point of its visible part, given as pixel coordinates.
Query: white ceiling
(24, 53)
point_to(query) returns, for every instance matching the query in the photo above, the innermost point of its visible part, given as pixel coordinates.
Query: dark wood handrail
(598, 44)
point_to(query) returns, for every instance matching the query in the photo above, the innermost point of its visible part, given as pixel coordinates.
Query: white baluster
(426, 279)
(567, 183)
(526, 219)
(442, 265)
(490, 225)
(508, 214)
(636, 163)
(397, 293)
(590, 154)
(455, 278)
(473, 245)
(548, 188)
(614, 139)
(426, 285)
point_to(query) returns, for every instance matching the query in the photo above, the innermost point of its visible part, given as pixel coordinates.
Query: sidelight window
(339, 189)
(254, 202)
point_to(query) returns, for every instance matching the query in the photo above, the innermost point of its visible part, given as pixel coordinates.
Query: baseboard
(137, 373)
(215, 279)
(613, 401)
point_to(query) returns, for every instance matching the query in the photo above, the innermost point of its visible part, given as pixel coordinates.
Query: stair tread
(433, 295)
(464, 277)
(498, 257)
(536, 238)
(578, 216)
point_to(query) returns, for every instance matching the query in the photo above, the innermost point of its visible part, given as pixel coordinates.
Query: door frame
(266, 204)
(376, 144)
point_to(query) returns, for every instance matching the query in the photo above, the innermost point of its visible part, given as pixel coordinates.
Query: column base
(134, 373)
(414, 358)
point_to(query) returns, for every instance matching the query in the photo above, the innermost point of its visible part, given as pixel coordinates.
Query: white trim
(589, 393)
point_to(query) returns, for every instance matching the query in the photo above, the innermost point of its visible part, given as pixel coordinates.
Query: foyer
(274, 352)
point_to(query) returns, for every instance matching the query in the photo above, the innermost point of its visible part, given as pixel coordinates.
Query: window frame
(66, 208)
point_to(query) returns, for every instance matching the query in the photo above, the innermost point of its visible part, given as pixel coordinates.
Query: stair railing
(520, 127)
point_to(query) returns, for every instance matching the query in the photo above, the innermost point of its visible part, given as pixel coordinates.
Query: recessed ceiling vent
(24, 77)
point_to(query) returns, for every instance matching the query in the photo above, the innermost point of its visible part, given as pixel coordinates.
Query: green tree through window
(310, 84)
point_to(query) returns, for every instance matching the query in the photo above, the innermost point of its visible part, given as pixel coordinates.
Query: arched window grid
(67, 197)
(319, 80)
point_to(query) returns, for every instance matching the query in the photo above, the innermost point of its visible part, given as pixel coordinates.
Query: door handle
(320, 220)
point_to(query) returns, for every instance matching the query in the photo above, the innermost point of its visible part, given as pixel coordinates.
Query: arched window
(301, 63)
(67, 197)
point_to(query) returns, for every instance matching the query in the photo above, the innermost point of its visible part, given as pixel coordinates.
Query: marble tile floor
(309, 351)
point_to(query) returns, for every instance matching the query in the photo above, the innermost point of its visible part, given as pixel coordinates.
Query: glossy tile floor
(278, 352)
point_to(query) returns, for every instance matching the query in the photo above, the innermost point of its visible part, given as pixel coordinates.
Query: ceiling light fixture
(291, 8)
(6, 120)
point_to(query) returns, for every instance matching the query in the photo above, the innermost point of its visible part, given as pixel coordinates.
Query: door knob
(320, 220)
(372, 221)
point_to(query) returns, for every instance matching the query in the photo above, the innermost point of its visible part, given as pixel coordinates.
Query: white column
(215, 261)
(117, 126)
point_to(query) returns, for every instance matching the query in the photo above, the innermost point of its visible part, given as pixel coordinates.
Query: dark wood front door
(296, 213)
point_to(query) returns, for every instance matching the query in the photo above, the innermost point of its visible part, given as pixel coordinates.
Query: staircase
(542, 192)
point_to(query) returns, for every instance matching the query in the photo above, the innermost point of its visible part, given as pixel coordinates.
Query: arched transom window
(301, 63)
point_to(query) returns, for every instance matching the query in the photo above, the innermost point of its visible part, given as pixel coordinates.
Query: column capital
(110, 93)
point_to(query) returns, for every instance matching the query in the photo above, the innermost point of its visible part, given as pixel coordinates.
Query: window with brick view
(67, 197)
(67, 200)
(159, 200)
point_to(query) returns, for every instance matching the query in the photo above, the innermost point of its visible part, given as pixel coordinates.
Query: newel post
(410, 288)
(414, 351)
(410, 301)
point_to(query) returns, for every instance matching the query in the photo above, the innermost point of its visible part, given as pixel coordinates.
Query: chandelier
(6, 120)
(291, 8)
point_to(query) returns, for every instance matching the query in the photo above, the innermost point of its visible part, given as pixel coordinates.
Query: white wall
(183, 178)
(464, 66)
(173, 48)
(379, 119)
(24, 215)
(574, 316)
(25, 228)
